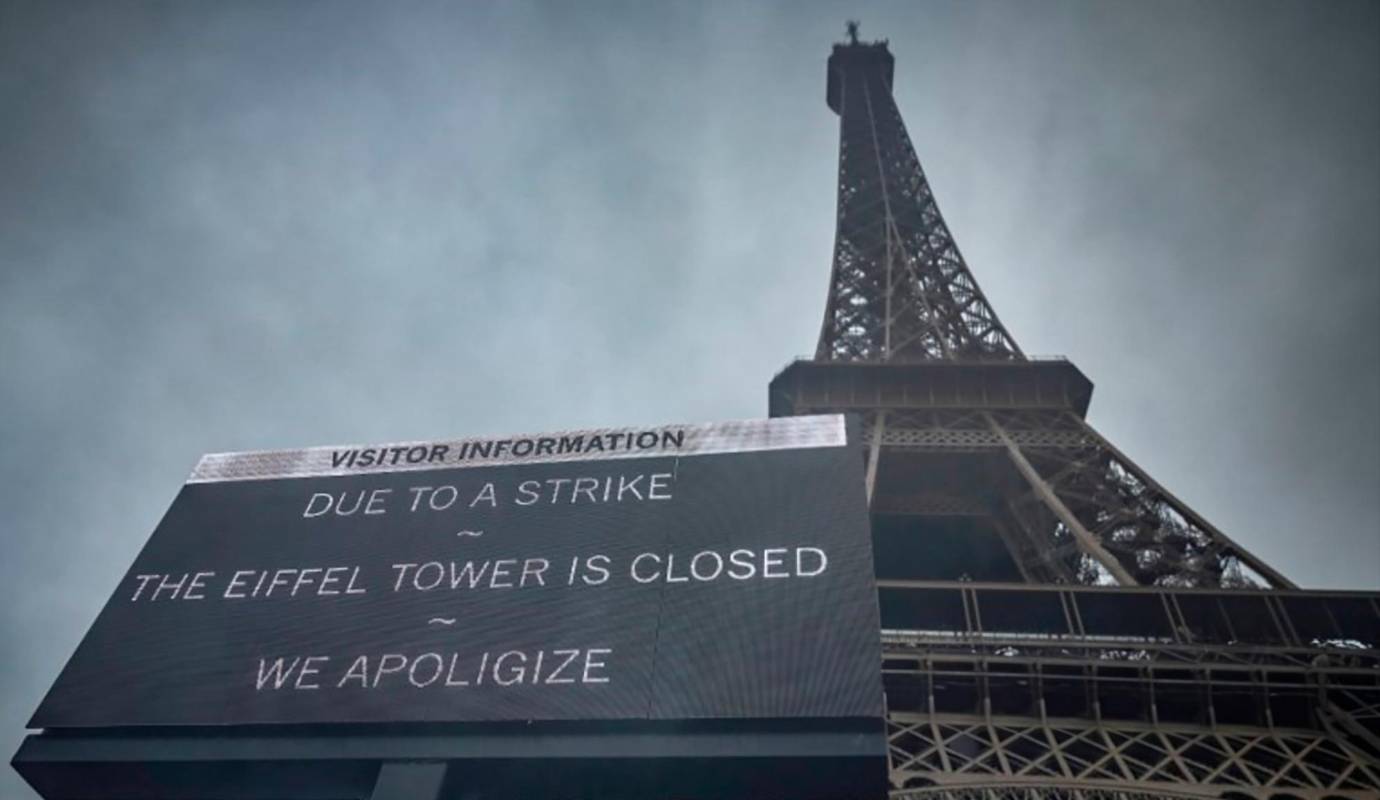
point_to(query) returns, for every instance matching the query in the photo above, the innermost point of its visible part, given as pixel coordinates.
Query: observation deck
(1049, 382)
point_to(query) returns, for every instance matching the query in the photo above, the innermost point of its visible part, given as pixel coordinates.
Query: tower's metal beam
(1086, 541)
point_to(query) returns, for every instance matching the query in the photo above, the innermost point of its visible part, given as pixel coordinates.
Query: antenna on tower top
(852, 26)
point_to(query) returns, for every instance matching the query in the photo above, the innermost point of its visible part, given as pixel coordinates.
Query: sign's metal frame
(495, 761)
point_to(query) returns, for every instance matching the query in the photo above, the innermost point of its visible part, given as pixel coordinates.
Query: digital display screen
(681, 572)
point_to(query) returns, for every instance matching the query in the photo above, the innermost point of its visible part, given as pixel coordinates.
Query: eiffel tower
(1056, 623)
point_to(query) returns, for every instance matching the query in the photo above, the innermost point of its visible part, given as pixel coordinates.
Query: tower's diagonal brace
(1086, 541)
(1151, 533)
(1265, 570)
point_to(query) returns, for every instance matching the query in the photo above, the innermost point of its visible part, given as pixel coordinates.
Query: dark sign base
(767, 759)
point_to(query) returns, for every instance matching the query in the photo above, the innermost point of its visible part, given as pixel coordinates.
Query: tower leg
(1086, 541)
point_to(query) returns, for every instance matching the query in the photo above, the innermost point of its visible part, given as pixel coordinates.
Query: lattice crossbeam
(956, 750)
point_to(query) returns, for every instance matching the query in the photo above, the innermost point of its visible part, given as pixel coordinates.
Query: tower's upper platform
(857, 56)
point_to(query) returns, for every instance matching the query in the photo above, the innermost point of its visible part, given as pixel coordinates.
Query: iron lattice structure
(1056, 622)
(899, 289)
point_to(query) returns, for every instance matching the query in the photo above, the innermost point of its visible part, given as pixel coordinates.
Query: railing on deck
(1322, 620)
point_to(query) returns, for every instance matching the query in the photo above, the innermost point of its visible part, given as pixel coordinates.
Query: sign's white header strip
(785, 433)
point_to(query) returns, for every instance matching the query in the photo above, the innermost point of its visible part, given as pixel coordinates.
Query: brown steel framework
(1056, 623)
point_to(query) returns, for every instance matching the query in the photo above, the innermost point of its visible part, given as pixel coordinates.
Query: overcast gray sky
(259, 225)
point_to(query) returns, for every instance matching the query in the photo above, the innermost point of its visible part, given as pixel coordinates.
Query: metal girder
(1040, 792)
(1154, 537)
(1158, 696)
(960, 756)
(1088, 543)
(1084, 510)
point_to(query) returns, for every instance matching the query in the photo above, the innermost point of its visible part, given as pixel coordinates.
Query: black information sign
(682, 572)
